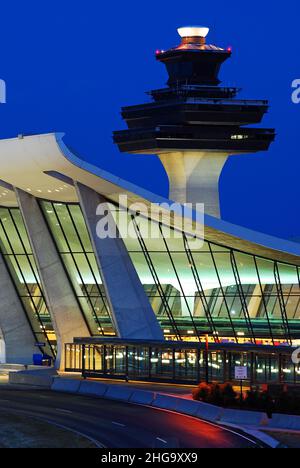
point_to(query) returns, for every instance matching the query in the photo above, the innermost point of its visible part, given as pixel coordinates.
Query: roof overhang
(30, 162)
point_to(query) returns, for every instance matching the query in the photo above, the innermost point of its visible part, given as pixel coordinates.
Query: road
(119, 425)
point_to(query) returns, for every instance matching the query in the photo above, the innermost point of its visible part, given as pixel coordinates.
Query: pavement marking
(4, 401)
(118, 424)
(62, 410)
(161, 440)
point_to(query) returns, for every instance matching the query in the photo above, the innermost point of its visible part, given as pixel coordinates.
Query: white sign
(241, 373)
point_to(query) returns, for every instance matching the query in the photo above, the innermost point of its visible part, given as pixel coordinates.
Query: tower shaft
(194, 177)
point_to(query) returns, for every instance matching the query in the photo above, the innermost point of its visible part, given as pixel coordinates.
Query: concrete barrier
(209, 412)
(119, 392)
(12, 367)
(186, 406)
(34, 378)
(88, 387)
(142, 397)
(65, 385)
(284, 421)
(242, 417)
(165, 402)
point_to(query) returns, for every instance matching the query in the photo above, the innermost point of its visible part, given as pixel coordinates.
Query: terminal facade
(155, 308)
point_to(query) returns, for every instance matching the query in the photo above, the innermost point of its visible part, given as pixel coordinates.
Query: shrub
(228, 394)
(252, 399)
(201, 393)
(222, 395)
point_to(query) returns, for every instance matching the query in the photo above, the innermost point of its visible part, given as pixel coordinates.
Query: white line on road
(161, 440)
(62, 410)
(118, 424)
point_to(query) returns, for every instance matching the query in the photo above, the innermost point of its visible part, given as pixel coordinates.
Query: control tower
(194, 124)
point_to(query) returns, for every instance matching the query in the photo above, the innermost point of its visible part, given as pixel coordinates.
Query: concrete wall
(131, 311)
(67, 318)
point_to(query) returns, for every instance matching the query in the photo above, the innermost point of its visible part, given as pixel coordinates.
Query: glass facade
(72, 239)
(182, 363)
(16, 250)
(197, 292)
(230, 295)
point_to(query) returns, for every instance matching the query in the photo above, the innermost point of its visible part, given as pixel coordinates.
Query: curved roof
(44, 166)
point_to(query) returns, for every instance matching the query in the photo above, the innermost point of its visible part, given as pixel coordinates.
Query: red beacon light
(229, 49)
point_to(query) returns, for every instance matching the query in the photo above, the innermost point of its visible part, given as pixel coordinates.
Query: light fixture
(193, 31)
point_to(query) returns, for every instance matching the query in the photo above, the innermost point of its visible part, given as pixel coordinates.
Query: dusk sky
(70, 66)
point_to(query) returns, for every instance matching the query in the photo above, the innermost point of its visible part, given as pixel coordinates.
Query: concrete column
(255, 301)
(18, 340)
(194, 177)
(67, 318)
(130, 308)
(2, 350)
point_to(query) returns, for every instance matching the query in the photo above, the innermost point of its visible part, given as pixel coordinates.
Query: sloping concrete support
(67, 318)
(18, 340)
(255, 301)
(194, 178)
(131, 311)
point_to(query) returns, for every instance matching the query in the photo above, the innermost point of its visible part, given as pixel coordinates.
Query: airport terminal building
(160, 307)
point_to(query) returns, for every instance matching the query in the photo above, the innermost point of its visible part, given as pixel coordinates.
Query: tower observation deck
(194, 124)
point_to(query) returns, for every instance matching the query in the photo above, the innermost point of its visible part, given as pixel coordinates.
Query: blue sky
(70, 66)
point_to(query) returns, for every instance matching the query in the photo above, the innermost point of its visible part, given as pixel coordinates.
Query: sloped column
(15, 328)
(67, 318)
(131, 311)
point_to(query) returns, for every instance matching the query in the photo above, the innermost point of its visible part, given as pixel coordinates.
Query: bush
(224, 395)
(201, 393)
(252, 399)
(221, 395)
(228, 394)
